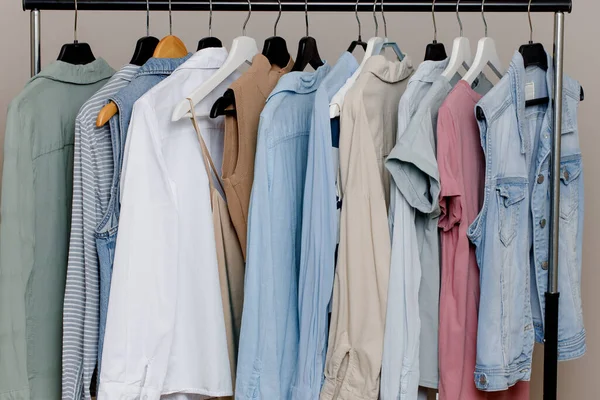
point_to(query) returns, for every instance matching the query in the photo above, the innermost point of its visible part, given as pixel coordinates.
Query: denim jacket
(517, 141)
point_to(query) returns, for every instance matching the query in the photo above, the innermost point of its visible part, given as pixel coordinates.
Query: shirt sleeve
(16, 255)
(75, 296)
(317, 262)
(448, 157)
(256, 356)
(142, 305)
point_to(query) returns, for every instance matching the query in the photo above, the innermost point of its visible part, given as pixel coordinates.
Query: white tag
(529, 91)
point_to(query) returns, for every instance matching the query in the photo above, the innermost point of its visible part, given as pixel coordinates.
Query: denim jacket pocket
(510, 194)
(570, 170)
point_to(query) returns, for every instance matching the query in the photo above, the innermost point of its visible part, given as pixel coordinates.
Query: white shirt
(165, 332)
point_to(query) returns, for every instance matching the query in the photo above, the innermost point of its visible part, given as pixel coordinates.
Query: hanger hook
(483, 17)
(375, 18)
(147, 17)
(170, 19)
(247, 18)
(530, 23)
(75, 26)
(384, 21)
(358, 21)
(277, 20)
(434, 23)
(306, 15)
(210, 18)
(458, 18)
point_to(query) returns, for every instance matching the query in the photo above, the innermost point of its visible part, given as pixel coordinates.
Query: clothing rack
(558, 7)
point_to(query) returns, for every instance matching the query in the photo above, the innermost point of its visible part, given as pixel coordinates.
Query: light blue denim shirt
(516, 141)
(149, 75)
(269, 338)
(319, 237)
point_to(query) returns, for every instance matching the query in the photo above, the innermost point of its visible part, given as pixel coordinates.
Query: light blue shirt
(269, 335)
(319, 237)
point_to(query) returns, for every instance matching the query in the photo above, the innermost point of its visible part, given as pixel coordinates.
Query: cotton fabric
(92, 174)
(165, 333)
(319, 237)
(241, 130)
(368, 130)
(410, 330)
(34, 235)
(269, 340)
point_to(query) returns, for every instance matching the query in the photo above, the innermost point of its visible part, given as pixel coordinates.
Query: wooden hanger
(169, 47)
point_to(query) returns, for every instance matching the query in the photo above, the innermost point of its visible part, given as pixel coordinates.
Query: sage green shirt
(34, 233)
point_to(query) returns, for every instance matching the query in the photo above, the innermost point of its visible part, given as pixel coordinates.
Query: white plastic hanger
(486, 55)
(243, 50)
(375, 46)
(461, 52)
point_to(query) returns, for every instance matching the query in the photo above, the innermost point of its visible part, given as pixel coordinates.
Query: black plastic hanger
(209, 41)
(76, 53)
(308, 53)
(359, 41)
(144, 48)
(222, 103)
(534, 55)
(435, 51)
(275, 47)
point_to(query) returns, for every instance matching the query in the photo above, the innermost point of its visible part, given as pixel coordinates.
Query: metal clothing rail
(558, 7)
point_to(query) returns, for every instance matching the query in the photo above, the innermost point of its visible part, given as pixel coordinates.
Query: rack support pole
(552, 295)
(35, 41)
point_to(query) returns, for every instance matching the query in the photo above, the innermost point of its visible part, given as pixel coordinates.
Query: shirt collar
(161, 66)
(86, 74)
(301, 82)
(428, 70)
(388, 71)
(127, 72)
(342, 70)
(208, 58)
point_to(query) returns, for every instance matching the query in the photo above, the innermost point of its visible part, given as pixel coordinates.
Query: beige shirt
(368, 131)
(251, 91)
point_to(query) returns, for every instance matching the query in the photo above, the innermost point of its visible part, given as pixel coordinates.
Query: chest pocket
(570, 173)
(510, 197)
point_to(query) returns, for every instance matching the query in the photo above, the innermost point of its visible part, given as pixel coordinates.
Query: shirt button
(545, 265)
(482, 380)
(540, 178)
(566, 174)
(543, 223)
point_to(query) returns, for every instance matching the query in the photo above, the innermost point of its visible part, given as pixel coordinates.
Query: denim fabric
(150, 74)
(269, 338)
(319, 237)
(516, 141)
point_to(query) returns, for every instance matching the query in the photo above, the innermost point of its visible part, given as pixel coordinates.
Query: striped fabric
(92, 177)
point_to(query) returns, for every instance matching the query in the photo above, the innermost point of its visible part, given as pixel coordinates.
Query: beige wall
(112, 35)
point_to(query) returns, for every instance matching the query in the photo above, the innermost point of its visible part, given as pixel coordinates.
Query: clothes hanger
(144, 49)
(170, 46)
(243, 50)
(435, 51)
(275, 47)
(359, 41)
(110, 109)
(486, 55)
(374, 47)
(76, 53)
(308, 53)
(388, 43)
(461, 52)
(210, 40)
(534, 55)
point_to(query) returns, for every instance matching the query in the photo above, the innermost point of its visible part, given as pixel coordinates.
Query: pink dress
(461, 164)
